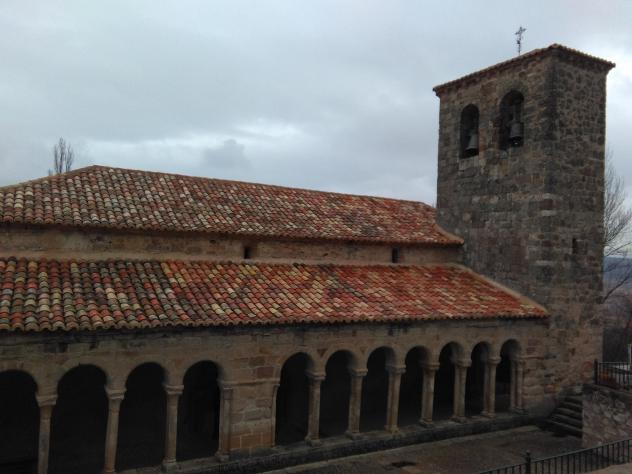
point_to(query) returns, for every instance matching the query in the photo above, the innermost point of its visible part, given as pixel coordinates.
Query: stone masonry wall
(250, 359)
(60, 244)
(531, 216)
(607, 415)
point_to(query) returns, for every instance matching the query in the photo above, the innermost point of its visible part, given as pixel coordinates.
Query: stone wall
(69, 243)
(607, 415)
(531, 216)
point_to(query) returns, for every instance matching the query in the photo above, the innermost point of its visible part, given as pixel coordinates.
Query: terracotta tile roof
(117, 198)
(40, 295)
(569, 53)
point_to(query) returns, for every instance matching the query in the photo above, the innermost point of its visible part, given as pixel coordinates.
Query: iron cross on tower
(519, 34)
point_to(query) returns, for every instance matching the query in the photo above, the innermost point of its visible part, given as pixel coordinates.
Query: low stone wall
(607, 415)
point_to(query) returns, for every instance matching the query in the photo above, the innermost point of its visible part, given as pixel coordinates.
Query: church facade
(151, 319)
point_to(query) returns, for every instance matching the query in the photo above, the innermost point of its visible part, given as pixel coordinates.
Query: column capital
(358, 372)
(396, 369)
(46, 399)
(463, 363)
(315, 376)
(115, 394)
(173, 389)
(431, 366)
(493, 360)
(226, 384)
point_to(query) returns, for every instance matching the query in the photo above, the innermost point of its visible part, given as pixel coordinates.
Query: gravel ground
(465, 455)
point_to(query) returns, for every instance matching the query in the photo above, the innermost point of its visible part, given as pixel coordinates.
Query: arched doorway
(505, 400)
(78, 422)
(199, 412)
(411, 387)
(335, 394)
(141, 437)
(475, 380)
(19, 422)
(375, 391)
(292, 401)
(444, 382)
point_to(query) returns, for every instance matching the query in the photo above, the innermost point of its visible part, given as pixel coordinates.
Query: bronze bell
(516, 133)
(472, 144)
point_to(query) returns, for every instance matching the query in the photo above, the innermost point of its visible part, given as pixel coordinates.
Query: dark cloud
(334, 95)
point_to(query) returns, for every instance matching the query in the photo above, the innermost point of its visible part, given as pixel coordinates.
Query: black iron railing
(584, 460)
(613, 374)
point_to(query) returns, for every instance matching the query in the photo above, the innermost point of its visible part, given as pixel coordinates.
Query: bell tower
(521, 180)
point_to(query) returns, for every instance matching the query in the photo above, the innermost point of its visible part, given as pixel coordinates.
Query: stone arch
(142, 418)
(373, 412)
(19, 421)
(335, 393)
(78, 422)
(506, 388)
(475, 380)
(199, 411)
(450, 354)
(469, 131)
(411, 386)
(292, 399)
(511, 120)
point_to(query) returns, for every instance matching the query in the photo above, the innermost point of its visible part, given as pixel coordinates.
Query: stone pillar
(520, 363)
(512, 384)
(171, 433)
(355, 403)
(427, 394)
(225, 420)
(315, 381)
(460, 376)
(392, 403)
(489, 409)
(46, 404)
(115, 396)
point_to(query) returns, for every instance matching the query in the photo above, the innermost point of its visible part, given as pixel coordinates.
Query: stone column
(512, 384)
(225, 420)
(275, 390)
(315, 381)
(489, 409)
(427, 394)
(520, 363)
(460, 375)
(46, 404)
(171, 433)
(355, 403)
(392, 403)
(115, 396)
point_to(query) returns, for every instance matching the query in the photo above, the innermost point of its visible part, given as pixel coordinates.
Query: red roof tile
(117, 198)
(42, 294)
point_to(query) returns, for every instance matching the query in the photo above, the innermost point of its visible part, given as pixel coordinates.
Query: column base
(394, 430)
(518, 411)
(352, 435)
(426, 424)
(169, 466)
(222, 457)
(458, 419)
(313, 442)
(487, 414)
(108, 471)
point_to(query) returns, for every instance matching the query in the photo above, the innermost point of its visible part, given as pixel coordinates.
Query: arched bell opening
(78, 422)
(411, 387)
(505, 383)
(511, 132)
(292, 401)
(199, 412)
(444, 382)
(475, 380)
(19, 422)
(469, 131)
(335, 395)
(142, 419)
(375, 391)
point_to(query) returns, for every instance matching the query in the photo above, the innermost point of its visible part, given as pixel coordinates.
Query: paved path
(465, 455)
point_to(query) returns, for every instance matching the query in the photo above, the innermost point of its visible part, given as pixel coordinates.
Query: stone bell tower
(521, 179)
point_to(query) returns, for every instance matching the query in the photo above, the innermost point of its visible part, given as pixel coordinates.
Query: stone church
(152, 320)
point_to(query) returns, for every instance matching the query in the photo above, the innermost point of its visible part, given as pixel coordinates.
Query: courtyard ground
(464, 455)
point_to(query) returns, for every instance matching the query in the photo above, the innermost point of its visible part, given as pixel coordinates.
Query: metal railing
(615, 375)
(584, 460)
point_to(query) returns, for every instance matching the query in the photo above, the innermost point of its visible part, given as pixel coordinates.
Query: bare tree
(63, 157)
(617, 232)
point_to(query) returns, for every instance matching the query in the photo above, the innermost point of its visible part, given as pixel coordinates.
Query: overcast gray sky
(333, 95)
